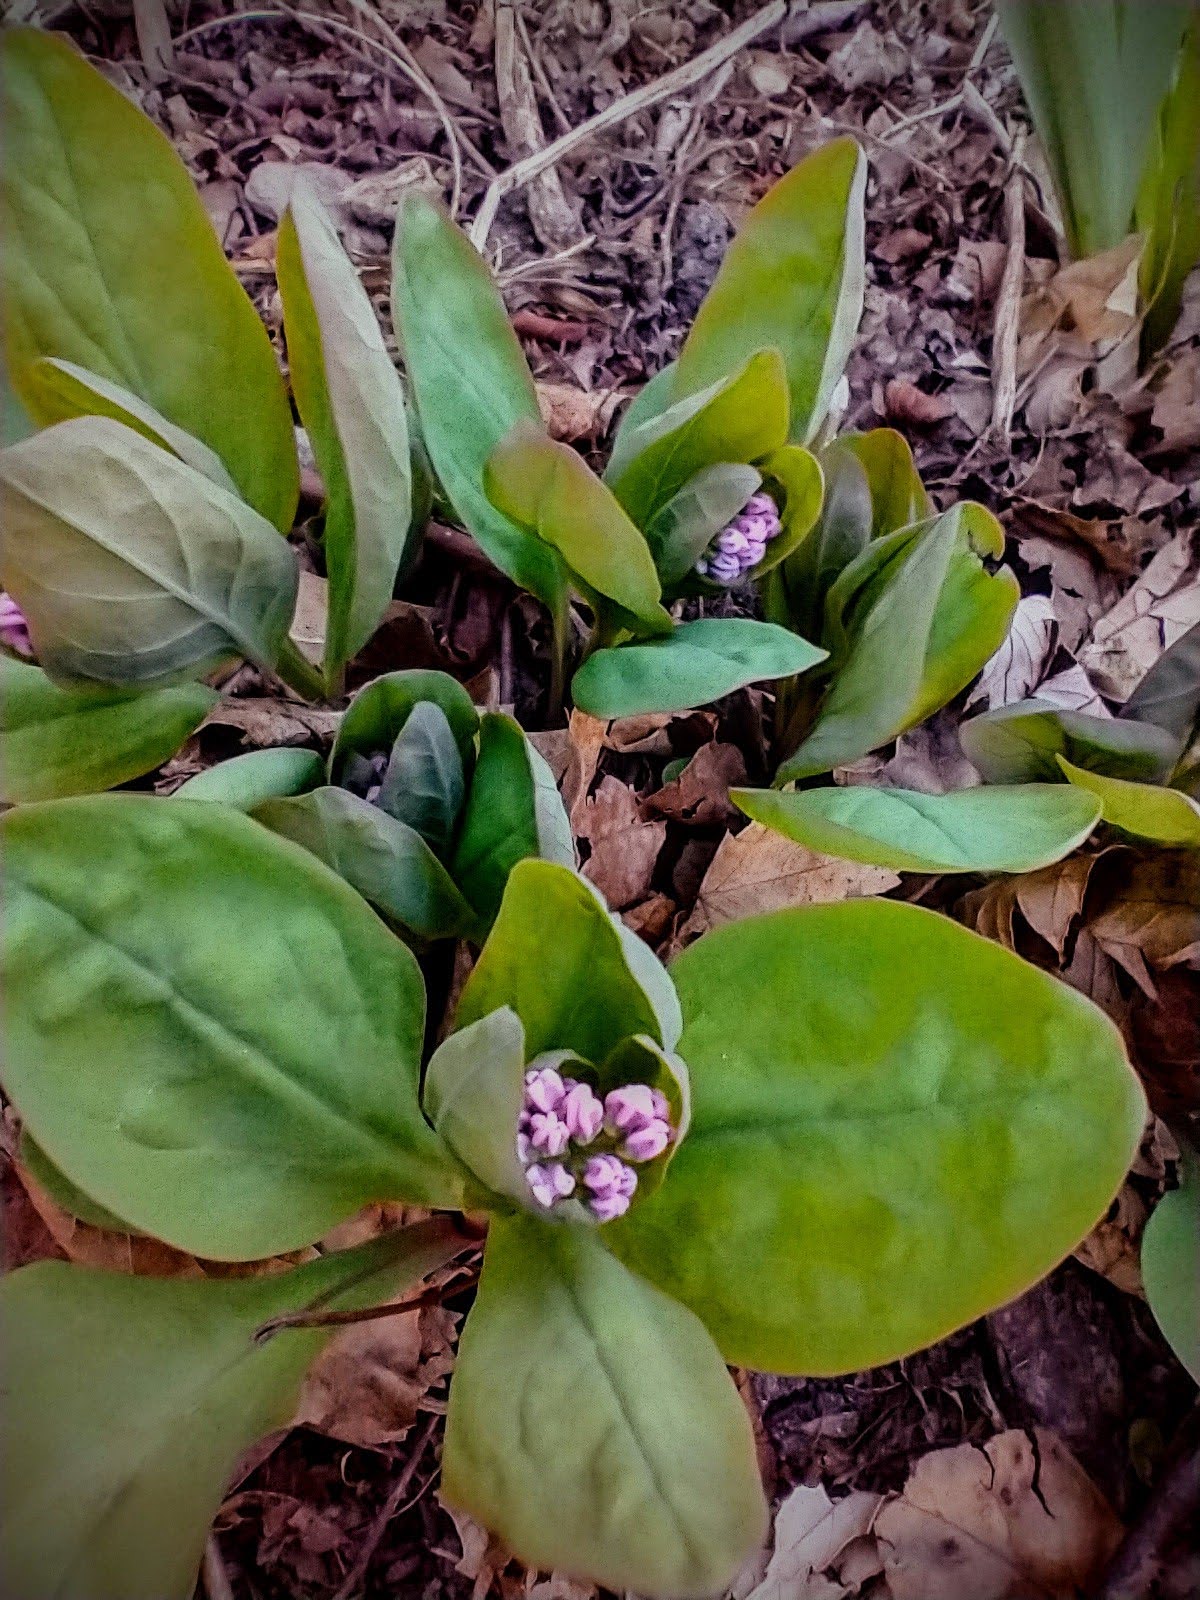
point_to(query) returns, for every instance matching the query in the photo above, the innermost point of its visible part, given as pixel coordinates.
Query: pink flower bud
(609, 1208)
(550, 1183)
(582, 1112)
(607, 1176)
(629, 1108)
(14, 630)
(524, 1148)
(543, 1090)
(643, 1144)
(661, 1105)
(548, 1133)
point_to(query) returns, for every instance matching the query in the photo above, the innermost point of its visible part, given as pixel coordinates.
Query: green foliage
(192, 578)
(352, 403)
(1168, 202)
(1145, 810)
(1169, 695)
(111, 263)
(864, 1151)
(376, 716)
(246, 781)
(1171, 1264)
(131, 1399)
(1021, 743)
(1013, 829)
(56, 741)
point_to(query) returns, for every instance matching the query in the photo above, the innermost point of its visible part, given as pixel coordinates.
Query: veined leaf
(387, 861)
(896, 1126)
(513, 812)
(548, 489)
(378, 712)
(1013, 828)
(791, 280)
(208, 1031)
(246, 781)
(352, 403)
(111, 262)
(650, 401)
(130, 1400)
(553, 926)
(471, 381)
(57, 742)
(1021, 744)
(1167, 816)
(592, 1423)
(64, 391)
(697, 663)
(133, 568)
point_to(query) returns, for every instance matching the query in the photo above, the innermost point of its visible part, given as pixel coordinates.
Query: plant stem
(299, 673)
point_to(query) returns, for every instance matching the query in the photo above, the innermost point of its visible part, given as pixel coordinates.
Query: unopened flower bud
(608, 1175)
(14, 630)
(582, 1112)
(549, 1183)
(742, 543)
(643, 1144)
(610, 1208)
(548, 1133)
(629, 1108)
(543, 1090)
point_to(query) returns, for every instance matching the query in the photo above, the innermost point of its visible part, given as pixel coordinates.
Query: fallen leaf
(1163, 604)
(1011, 1520)
(265, 722)
(651, 919)
(311, 616)
(1151, 914)
(586, 738)
(1112, 1248)
(699, 796)
(903, 403)
(1016, 669)
(624, 845)
(811, 1533)
(554, 747)
(573, 415)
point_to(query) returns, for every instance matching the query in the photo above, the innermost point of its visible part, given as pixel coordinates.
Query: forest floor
(1093, 468)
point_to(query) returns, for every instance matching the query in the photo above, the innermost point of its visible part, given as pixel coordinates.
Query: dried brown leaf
(699, 796)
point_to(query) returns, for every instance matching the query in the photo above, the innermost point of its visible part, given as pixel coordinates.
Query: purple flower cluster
(742, 544)
(14, 630)
(561, 1117)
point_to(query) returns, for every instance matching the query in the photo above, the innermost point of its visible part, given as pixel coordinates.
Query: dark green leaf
(424, 784)
(896, 1126)
(208, 1032)
(1171, 1265)
(378, 712)
(843, 528)
(61, 741)
(246, 781)
(1168, 202)
(112, 263)
(1021, 743)
(698, 663)
(132, 567)
(592, 1423)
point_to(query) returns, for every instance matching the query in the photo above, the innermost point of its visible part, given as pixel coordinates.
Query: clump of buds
(742, 544)
(568, 1139)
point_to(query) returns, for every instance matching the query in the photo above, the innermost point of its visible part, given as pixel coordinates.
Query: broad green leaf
(1094, 77)
(513, 811)
(557, 957)
(378, 712)
(246, 781)
(208, 1032)
(796, 594)
(62, 1191)
(909, 621)
(1169, 694)
(791, 280)
(896, 1126)
(474, 1091)
(424, 783)
(656, 395)
(111, 262)
(1015, 828)
(131, 1399)
(795, 478)
(1144, 809)
(64, 391)
(132, 567)
(351, 402)
(471, 382)
(1171, 1265)
(1021, 744)
(698, 663)
(592, 1423)
(738, 419)
(683, 529)
(61, 741)
(387, 861)
(550, 490)
(1168, 202)
(898, 496)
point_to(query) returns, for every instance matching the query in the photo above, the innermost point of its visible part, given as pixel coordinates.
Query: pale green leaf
(1145, 810)
(1171, 1265)
(474, 1092)
(246, 781)
(1021, 743)
(683, 529)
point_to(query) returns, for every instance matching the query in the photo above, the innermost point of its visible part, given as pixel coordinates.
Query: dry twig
(1007, 324)
(352, 1581)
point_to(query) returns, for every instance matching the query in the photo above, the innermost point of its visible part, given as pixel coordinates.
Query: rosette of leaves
(733, 417)
(143, 518)
(1051, 776)
(212, 1037)
(424, 805)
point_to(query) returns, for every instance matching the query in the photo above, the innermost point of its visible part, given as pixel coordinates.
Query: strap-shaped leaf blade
(111, 262)
(896, 1126)
(1012, 828)
(1021, 743)
(593, 1425)
(133, 568)
(130, 1399)
(898, 496)
(699, 662)
(351, 401)
(791, 280)
(574, 975)
(471, 381)
(56, 742)
(208, 1031)
(1146, 810)
(513, 811)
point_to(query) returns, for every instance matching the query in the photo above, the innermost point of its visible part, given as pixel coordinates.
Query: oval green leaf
(474, 1091)
(208, 1031)
(424, 782)
(351, 402)
(1022, 743)
(698, 663)
(1171, 1265)
(1145, 810)
(111, 262)
(246, 781)
(131, 567)
(896, 1126)
(791, 280)
(682, 530)
(898, 497)
(1010, 829)
(56, 742)
(378, 712)
(592, 1423)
